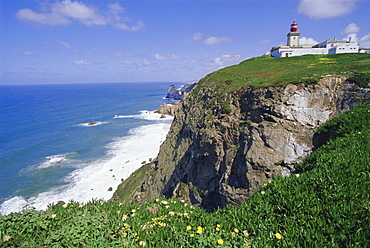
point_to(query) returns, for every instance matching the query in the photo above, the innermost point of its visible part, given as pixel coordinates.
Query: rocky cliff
(222, 146)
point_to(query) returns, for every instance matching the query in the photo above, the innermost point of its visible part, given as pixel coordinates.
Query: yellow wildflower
(236, 230)
(182, 201)
(53, 216)
(192, 235)
(218, 229)
(278, 236)
(164, 202)
(220, 241)
(157, 200)
(297, 175)
(162, 224)
(188, 228)
(124, 217)
(142, 243)
(218, 225)
(118, 212)
(133, 211)
(246, 245)
(167, 207)
(199, 230)
(6, 238)
(246, 234)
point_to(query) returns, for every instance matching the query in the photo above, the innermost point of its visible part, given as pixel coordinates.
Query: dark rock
(213, 157)
(168, 109)
(173, 93)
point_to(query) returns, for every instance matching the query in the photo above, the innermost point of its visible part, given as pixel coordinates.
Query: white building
(326, 47)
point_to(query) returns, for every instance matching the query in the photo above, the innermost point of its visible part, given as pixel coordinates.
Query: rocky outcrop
(213, 156)
(168, 109)
(222, 147)
(174, 94)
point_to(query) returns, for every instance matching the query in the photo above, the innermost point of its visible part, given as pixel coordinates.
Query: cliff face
(217, 154)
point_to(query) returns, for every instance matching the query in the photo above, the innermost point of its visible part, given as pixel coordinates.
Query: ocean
(75, 141)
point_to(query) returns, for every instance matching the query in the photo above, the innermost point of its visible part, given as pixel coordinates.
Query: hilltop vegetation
(326, 205)
(267, 71)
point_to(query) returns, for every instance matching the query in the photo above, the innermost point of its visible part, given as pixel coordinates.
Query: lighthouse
(326, 47)
(293, 35)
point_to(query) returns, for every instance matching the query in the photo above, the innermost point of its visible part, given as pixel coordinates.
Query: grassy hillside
(326, 205)
(268, 71)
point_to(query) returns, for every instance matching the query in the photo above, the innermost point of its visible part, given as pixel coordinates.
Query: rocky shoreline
(168, 109)
(175, 95)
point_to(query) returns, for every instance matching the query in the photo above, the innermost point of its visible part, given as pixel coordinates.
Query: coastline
(99, 179)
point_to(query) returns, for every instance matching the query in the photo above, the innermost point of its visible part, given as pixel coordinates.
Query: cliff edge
(244, 125)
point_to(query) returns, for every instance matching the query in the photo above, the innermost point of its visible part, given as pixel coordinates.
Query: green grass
(326, 205)
(132, 184)
(267, 71)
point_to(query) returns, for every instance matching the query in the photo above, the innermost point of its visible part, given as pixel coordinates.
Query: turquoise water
(45, 133)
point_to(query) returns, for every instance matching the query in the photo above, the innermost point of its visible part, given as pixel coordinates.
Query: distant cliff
(236, 131)
(175, 94)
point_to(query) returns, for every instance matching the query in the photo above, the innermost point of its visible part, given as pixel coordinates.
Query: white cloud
(212, 40)
(351, 37)
(265, 41)
(81, 62)
(351, 28)
(320, 9)
(78, 11)
(226, 59)
(122, 54)
(28, 53)
(163, 57)
(146, 62)
(65, 12)
(197, 36)
(126, 62)
(365, 41)
(307, 41)
(51, 19)
(66, 44)
(136, 55)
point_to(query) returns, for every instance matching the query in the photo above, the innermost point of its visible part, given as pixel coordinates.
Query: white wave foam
(126, 155)
(146, 115)
(56, 160)
(92, 124)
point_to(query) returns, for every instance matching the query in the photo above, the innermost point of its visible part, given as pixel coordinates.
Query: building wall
(344, 48)
(291, 52)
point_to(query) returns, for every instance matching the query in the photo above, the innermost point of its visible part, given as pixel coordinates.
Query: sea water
(75, 141)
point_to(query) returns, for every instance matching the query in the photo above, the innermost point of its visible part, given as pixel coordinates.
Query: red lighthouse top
(294, 27)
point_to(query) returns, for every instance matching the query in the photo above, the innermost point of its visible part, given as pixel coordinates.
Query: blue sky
(87, 41)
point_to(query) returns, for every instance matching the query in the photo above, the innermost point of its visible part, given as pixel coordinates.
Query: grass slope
(326, 205)
(268, 71)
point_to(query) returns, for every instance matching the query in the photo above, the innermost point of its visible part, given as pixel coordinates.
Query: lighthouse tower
(293, 35)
